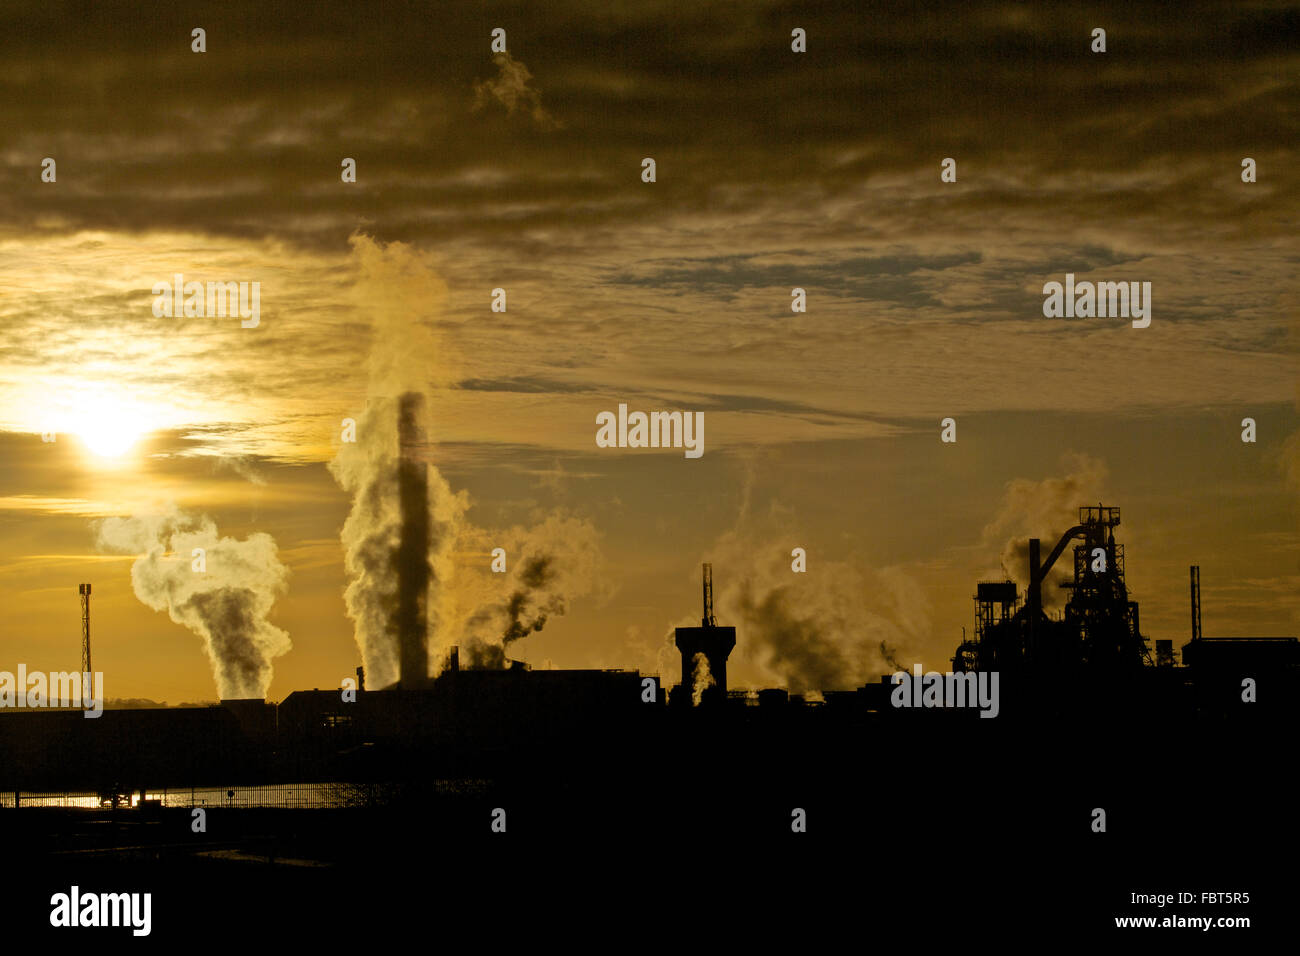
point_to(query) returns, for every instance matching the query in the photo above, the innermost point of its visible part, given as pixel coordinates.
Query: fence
(287, 796)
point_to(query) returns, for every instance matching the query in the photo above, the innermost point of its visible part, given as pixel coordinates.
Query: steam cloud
(834, 630)
(703, 679)
(557, 563)
(547, 564)
(1043, 509)
(226, 605)
(524, 613)
(398, 289)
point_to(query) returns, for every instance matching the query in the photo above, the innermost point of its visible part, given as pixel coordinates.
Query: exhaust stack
(413, 569)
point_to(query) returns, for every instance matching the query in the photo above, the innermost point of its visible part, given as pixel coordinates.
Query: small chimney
(453, 659)
(361, 678)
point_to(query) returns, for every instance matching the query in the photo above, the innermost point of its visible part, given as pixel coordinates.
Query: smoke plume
(398, 290)
(406, 524)
(837, 631)
(833, 629)
(1043, 509)
(703, 678)
(556, 562)
(227, 604)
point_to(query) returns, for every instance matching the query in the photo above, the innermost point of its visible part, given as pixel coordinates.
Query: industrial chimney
(413, 569)
(710, 643)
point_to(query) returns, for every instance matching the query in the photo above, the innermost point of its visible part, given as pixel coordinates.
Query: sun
(109, 432)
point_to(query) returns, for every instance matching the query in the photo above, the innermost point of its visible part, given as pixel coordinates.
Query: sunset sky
(775, 170)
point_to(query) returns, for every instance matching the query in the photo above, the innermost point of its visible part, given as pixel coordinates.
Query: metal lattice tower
(1099, 609)
(84, 591)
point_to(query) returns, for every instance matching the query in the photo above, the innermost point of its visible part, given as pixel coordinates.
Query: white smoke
(834, 628)
(400, 291)
(547, 566)
(703, 679)
(227, 604)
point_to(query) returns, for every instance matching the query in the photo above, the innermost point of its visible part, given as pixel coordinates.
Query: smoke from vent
(837, 629)
(556, 563)
(227, 604)
(890, 657)
(829, 633)
(523, 613)
(703, 678)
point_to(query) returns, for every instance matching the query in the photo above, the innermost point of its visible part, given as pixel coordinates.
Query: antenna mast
(709, 619)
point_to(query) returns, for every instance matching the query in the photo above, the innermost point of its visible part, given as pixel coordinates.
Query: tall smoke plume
(406, 525)
(227, 604)
(400, 533)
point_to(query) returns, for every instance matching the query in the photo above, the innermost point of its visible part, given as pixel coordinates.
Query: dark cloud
(524, 384)
(878, 277)
(246, 139)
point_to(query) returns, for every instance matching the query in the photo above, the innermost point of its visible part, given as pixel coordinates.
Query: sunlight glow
(109, 429)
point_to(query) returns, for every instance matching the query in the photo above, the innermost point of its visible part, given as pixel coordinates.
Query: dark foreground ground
(923, 842)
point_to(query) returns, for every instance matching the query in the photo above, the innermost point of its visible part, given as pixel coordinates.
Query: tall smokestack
(1196, 601)
(413, 569)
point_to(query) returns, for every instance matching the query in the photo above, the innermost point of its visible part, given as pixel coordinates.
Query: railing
(286, 796)
(289, 796)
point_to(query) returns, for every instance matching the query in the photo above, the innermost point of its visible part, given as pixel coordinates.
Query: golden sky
(775, 170)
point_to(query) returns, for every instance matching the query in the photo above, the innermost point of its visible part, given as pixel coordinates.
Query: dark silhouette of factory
(512, 721)
(614, 773)
(1096, 645)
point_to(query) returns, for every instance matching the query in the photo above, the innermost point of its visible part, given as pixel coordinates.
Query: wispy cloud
(512, 89)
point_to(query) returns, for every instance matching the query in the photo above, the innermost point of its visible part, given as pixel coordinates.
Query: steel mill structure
(1098, 630)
